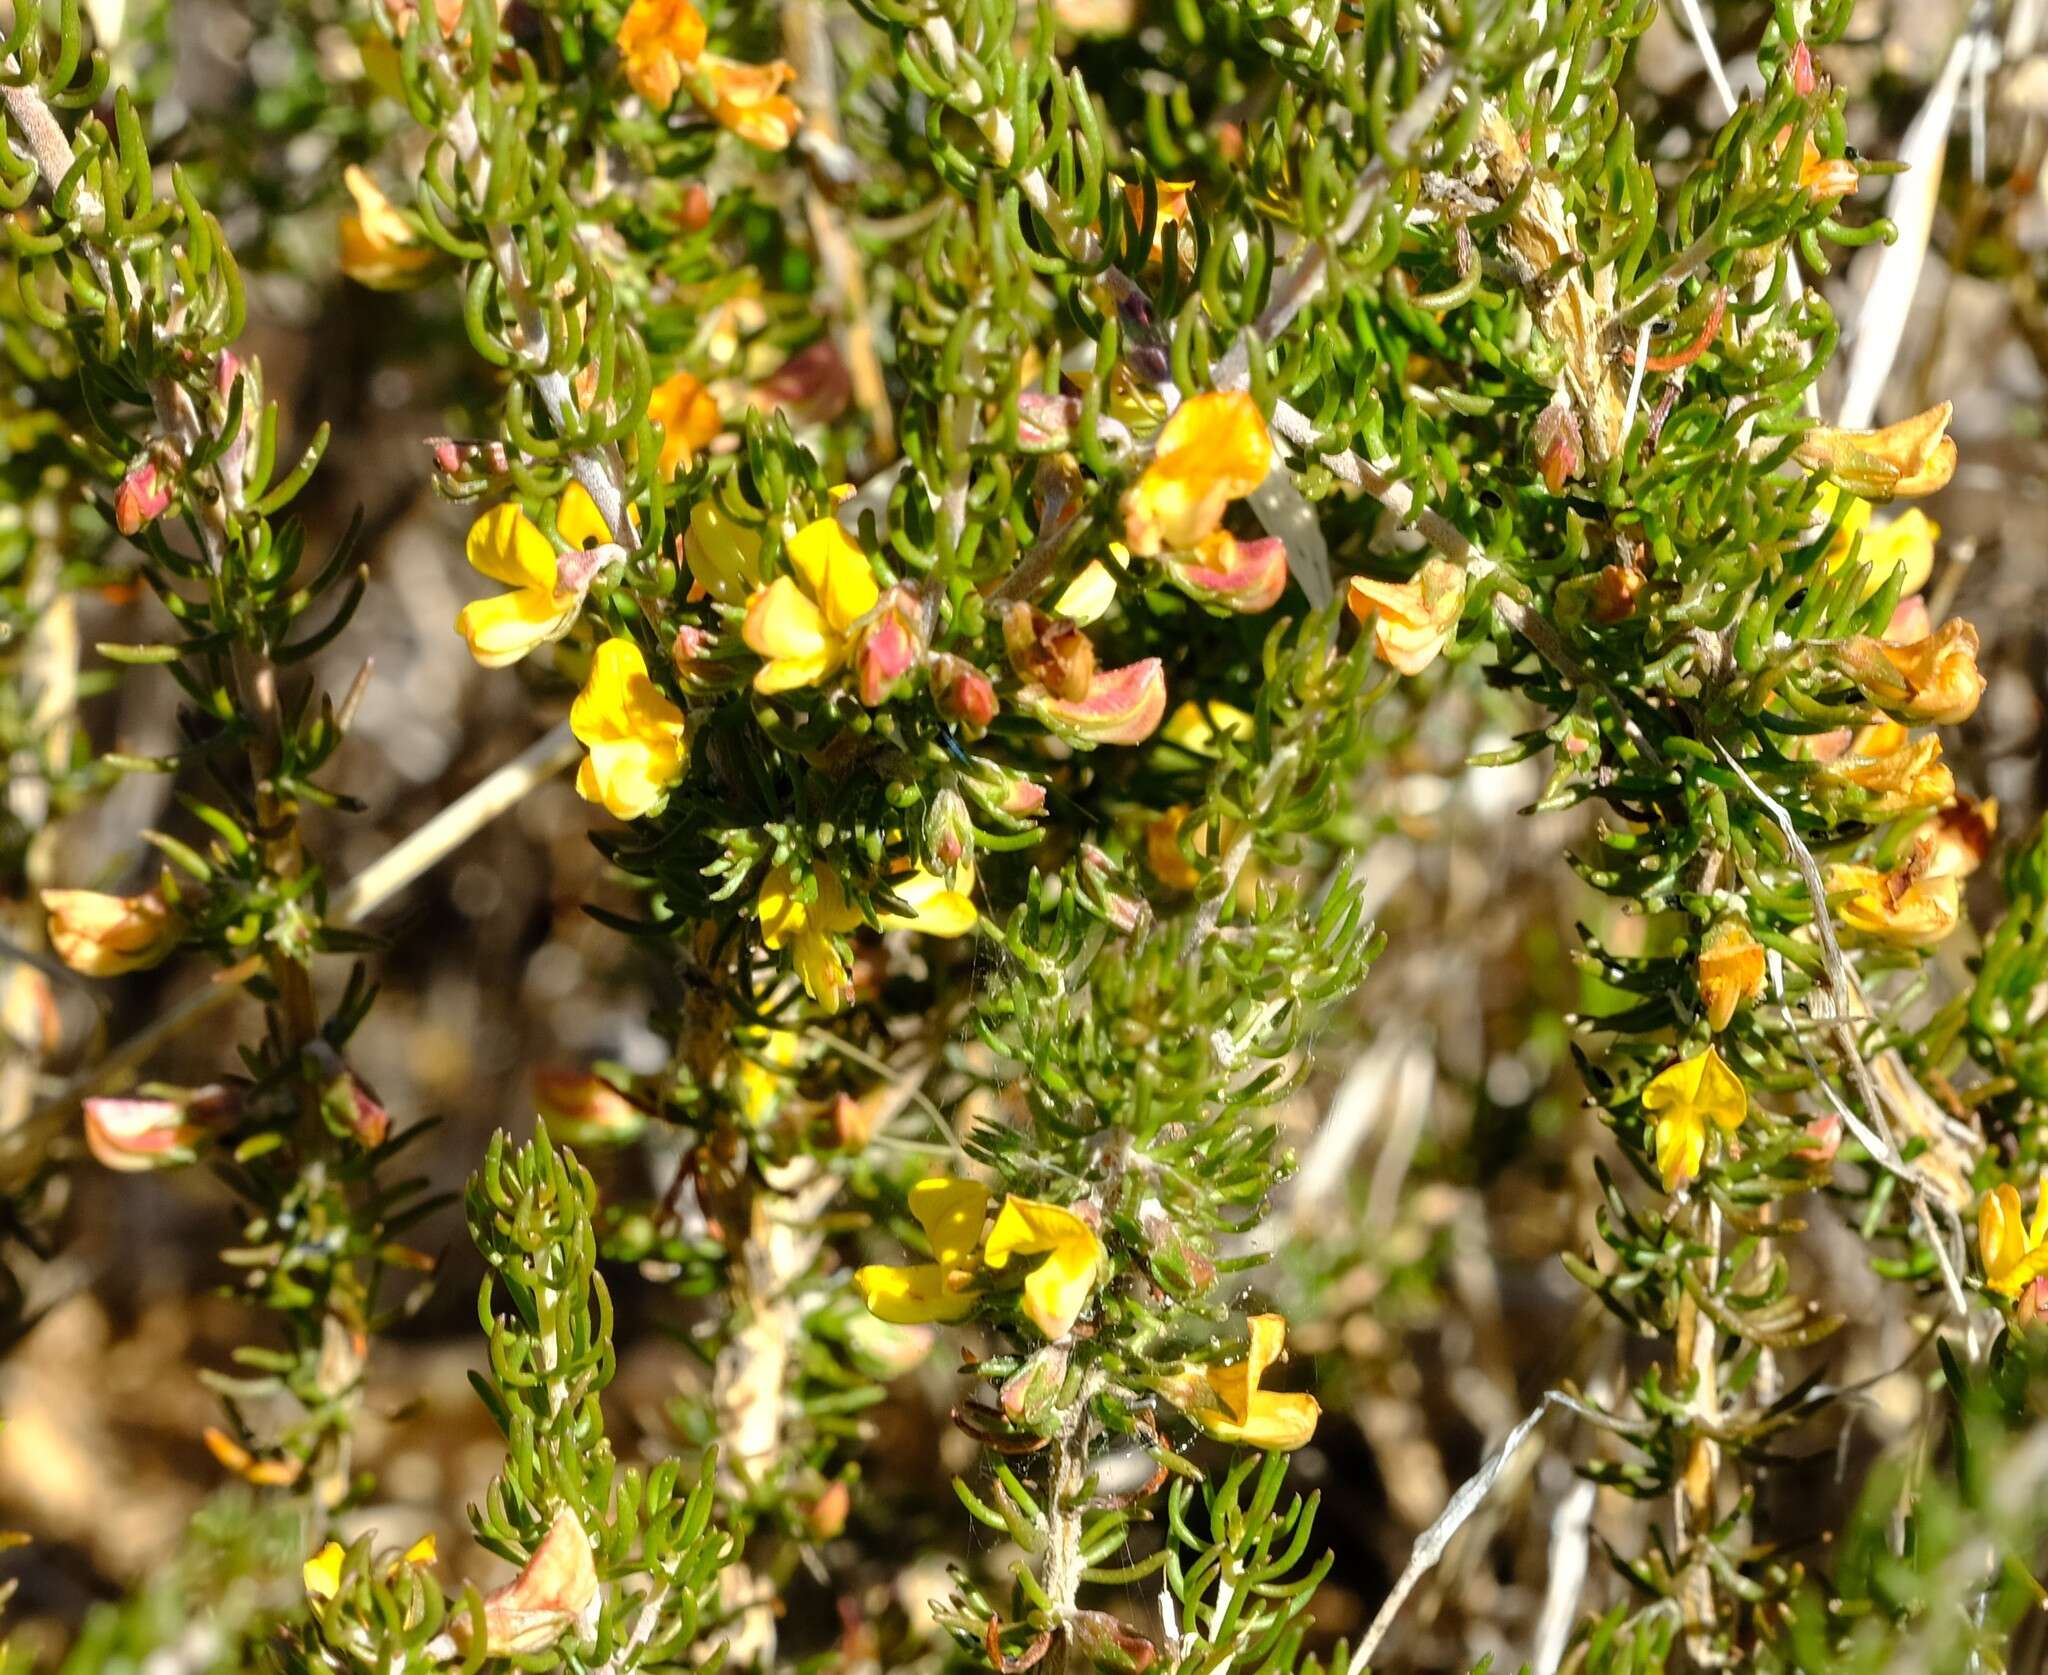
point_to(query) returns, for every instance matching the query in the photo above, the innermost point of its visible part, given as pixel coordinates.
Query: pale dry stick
(1430, 1545)
(391, 872)
(1840, 981)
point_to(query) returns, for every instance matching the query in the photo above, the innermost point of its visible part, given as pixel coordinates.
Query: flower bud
(693, 215)
(1028, 1393)
(1615, 592)
(1559, 449)
(584, 1109)
(1730, 971)
(347, 1105)
(889, 647)
(1045, 423)
(813, 385)
(144, 494)
(1108, 1644)
(1804, 78)
(964, 695)
(825, 1517)
(949, 831)
(103, 936)
(159, 1128)
(1823, 1141)
(690, 652)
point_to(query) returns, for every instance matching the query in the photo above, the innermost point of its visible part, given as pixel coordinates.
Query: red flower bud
(889, 647)
(964, 695)
(143, 496)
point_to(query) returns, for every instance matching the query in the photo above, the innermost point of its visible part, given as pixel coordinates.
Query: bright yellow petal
(578, 521)
(1056, 1291)
(724, 554)
(784, 626)
(1681, 1148)
(504, 628)
(1277, 1422)
(1088, 597)
(508, 546)
(911, 1296)
(322, 1572)
(935, 909)
(422, 1551)
(2001, 1241)
(952, 1213)
(835, 571)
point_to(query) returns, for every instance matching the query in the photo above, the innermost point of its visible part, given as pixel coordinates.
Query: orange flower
(748, 100)
(1825, 179)
(103, 936)
(1900, 772)
(1916, 456)
(1908, 907)
(684, 412)
(1931, 679)
(659, 40)
(1411, 621)
(1730, 969)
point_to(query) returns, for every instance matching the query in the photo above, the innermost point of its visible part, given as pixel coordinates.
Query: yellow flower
(1685, 1099)
(1907, 907)
(423, 1551)
(636, 737)
(1215, 449)
(1900, 772)
(724, 554)
(952, 1214)
(1411, 621)
(803, 624)
(508, 546)
(1730, 969)
(103, 936)
(658, 41)
(1904, 543)
(322, 1572)
(1241, 1412)
(1930, 679)
(684, 412)
(2014, 1254)
(1056, 1291)
(810, 930)
(380, 248)
(748, 100)
(1916, 456)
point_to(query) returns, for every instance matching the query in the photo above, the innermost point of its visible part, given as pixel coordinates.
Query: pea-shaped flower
(952, 1213)
(1232, 1408)
(1056, 1291)
(1689, 1099)
(1215, 449)
(2014, 1254)
(635, 736)
(803, 624)
(509, 547)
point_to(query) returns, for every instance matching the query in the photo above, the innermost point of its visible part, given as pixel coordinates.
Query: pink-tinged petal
(1122, 706)
(1242, 576)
